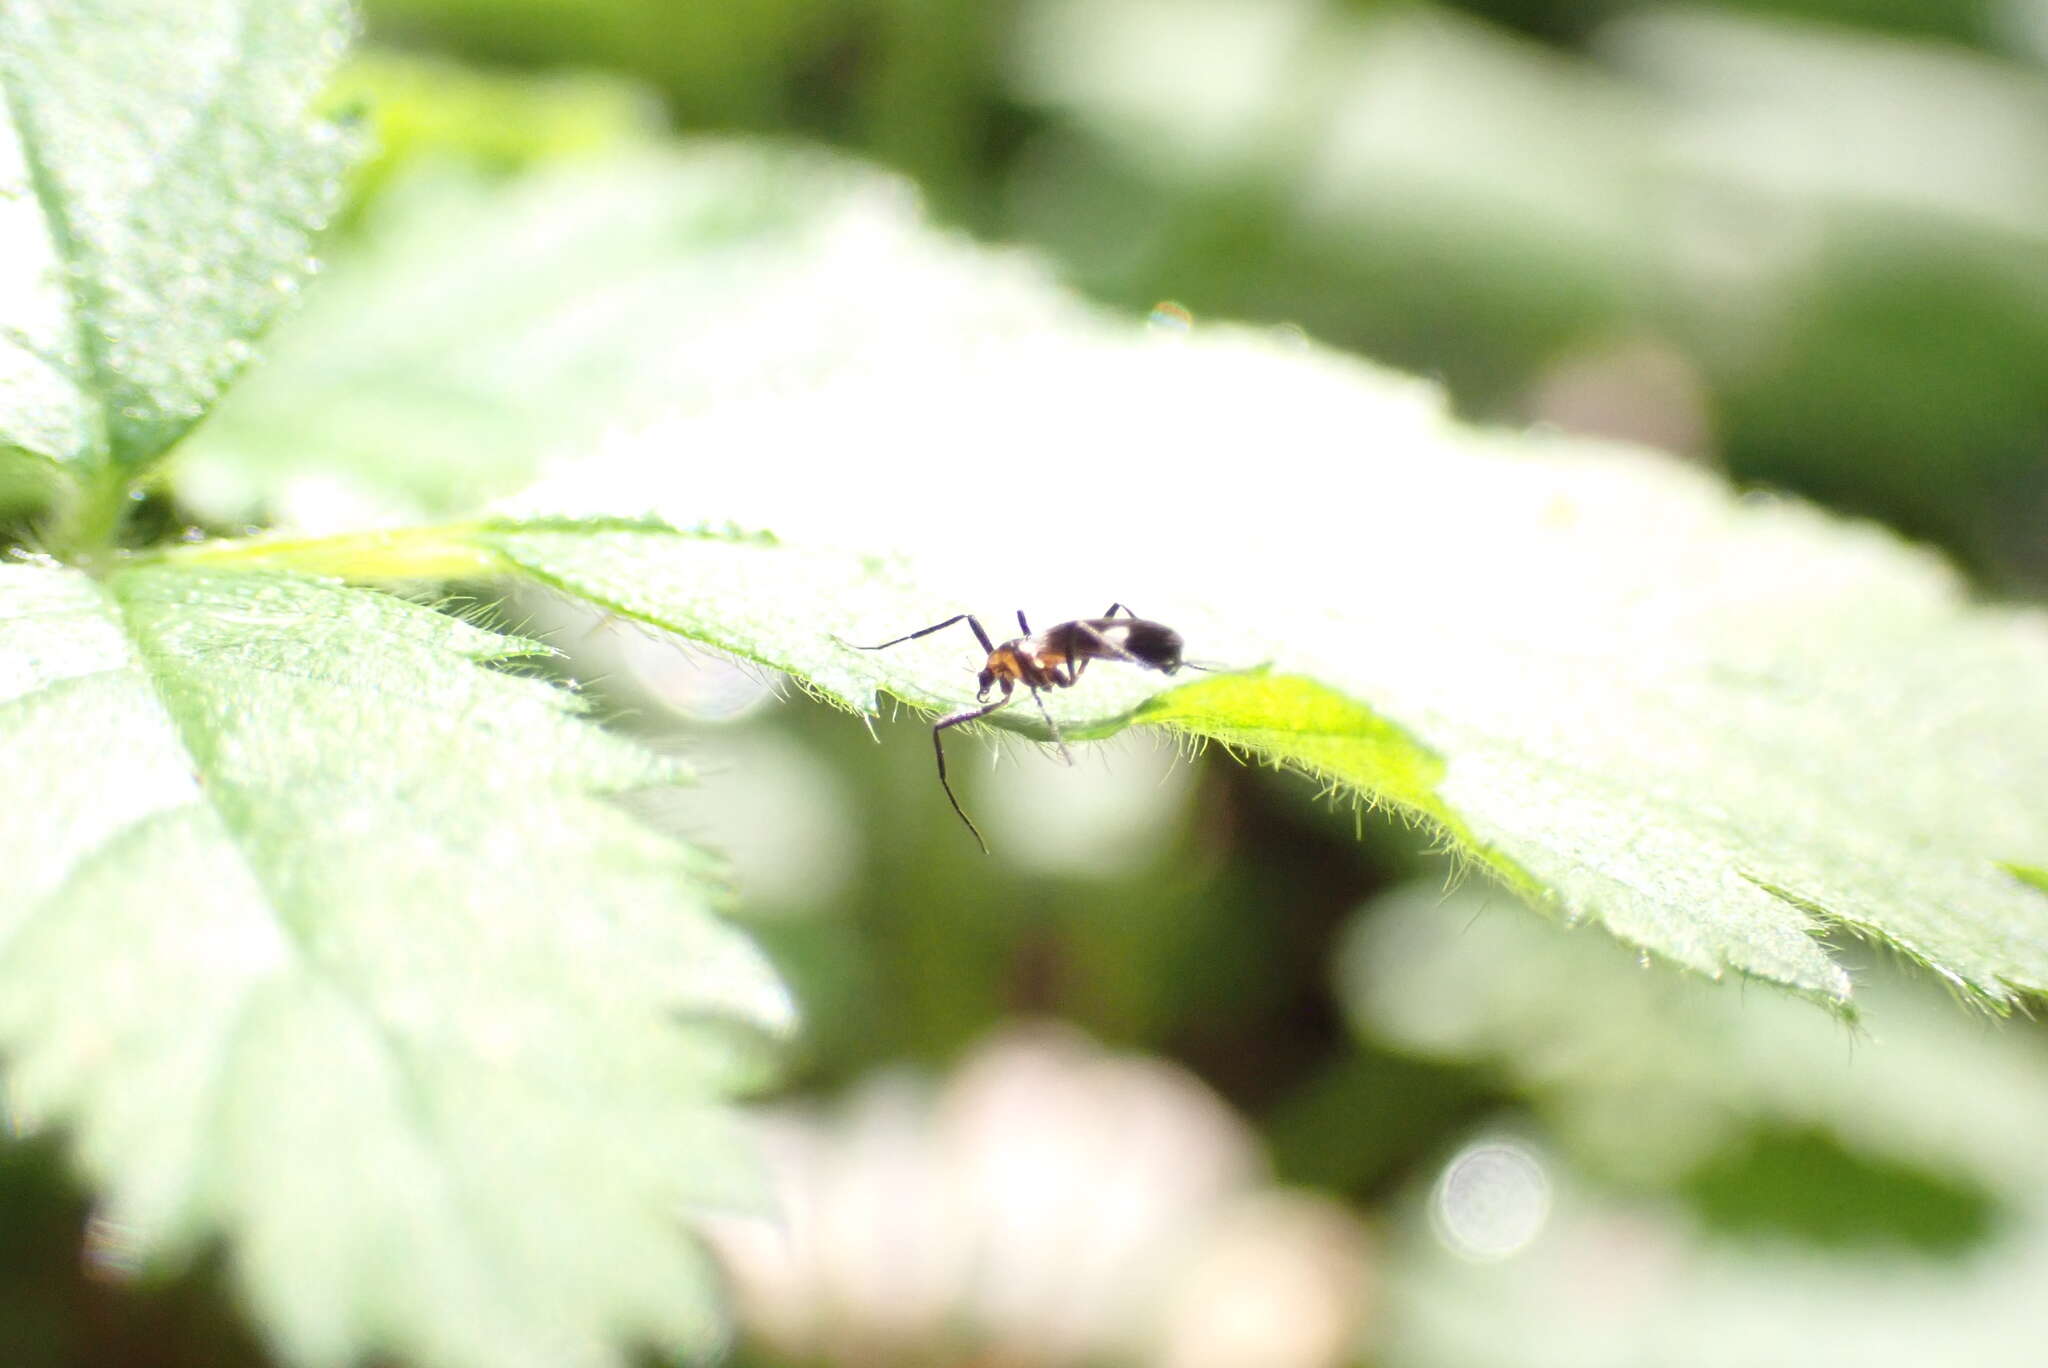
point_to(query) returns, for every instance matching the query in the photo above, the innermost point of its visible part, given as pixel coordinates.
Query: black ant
(1052, 659)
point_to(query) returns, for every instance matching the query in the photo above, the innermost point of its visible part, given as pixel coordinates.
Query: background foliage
(1744, 232)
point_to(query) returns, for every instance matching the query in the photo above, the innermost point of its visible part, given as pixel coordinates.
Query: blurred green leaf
(1719, 228)
(1649, 1077)
(326, 937)
(421, 109)
(1680, 713)
(1423, 186)
(1879, 1194)
(720, 64)
(1805, 1186)
(1614, 1283)
(159, 182)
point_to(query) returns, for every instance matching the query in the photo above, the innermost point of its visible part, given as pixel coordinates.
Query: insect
(1051, 659)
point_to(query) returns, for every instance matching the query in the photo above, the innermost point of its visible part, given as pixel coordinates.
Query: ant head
(987, 681)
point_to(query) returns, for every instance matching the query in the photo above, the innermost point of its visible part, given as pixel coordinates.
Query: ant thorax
(1012, 661)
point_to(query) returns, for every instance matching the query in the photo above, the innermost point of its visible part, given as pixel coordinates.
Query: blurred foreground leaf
(1721, 726)
(326, 937)
(159, 183)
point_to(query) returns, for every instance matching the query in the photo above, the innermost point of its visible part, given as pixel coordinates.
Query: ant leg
(1054, 728)
(1121, 654)
(979, 635)
(939, 748)
(1114, 609)
(1022, 623)
(1110, 648)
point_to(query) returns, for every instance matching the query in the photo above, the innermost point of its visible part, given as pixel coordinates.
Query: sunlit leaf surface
(326, 935)
(159, 183)
(1720, 725)
(497, 329)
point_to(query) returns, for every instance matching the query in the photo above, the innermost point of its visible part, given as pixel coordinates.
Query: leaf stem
(92, 522)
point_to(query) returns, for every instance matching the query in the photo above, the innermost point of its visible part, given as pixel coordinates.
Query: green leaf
(328, 936)
(1724, 726)
(159, 183)
(1720, 804)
